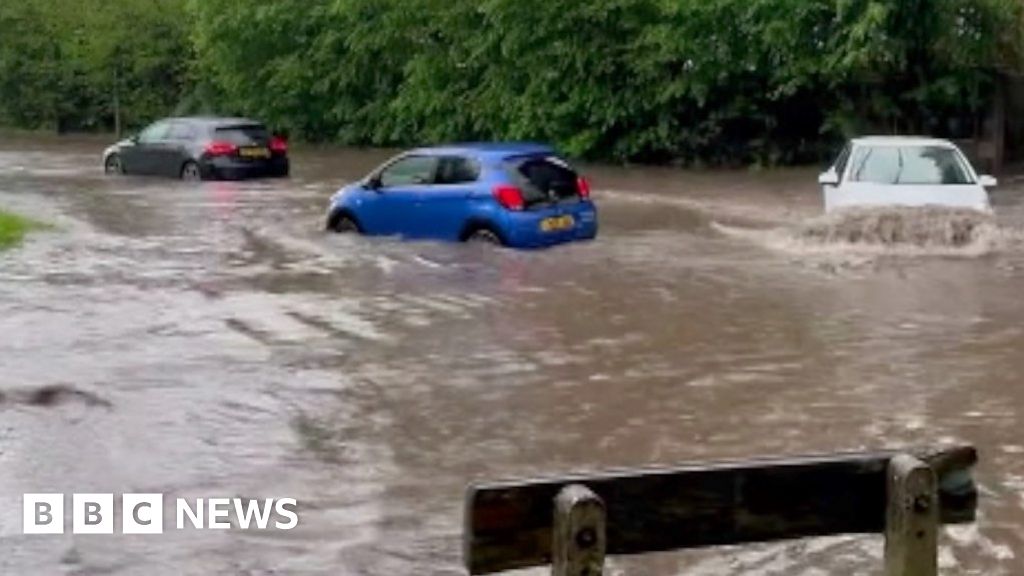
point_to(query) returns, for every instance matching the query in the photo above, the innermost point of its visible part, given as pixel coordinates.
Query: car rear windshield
(909, 165)
(544, 179)
(243, 135)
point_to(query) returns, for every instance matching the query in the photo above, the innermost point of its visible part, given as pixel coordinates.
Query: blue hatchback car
(513, 194)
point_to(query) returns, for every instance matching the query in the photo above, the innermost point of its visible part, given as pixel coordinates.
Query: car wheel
(484, 236)
(113, 165)
(190, 172)
(344, 224)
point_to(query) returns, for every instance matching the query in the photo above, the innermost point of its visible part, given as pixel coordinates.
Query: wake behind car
(903, 171)
(201, 149)
(518, 195)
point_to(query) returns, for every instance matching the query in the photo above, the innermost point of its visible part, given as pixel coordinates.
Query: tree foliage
(652, 80)
(68, 63)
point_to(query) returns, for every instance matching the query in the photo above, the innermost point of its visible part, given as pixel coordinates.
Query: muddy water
(212, 341)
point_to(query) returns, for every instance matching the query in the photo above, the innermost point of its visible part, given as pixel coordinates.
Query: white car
(902, 171)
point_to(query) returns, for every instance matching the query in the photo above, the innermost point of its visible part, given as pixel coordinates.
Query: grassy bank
(13, 228)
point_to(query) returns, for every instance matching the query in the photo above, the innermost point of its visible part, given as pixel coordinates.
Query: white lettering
(253, 509)
(218, 508)
(292, 515)
(92, 513)
(42, 514)
(142, 513)
(195, 517)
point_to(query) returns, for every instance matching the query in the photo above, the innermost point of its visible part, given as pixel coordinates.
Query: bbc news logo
(144, 514)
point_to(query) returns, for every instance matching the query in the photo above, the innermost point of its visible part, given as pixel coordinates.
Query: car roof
(216, 121)
(488, 149)
(902, 141)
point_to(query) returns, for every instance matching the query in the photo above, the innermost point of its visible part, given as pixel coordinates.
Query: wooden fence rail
(573, 522)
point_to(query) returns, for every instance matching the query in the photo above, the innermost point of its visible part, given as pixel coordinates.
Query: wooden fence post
(578, 540)
(560, 521)
(912, 519)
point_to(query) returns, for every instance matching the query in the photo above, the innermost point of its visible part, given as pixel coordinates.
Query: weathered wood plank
(579, 537)
(509, 524)
(912, 519)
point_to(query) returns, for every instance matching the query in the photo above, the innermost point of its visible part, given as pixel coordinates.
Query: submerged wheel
(113, 165)
(343, 224)
(190, 172)
(484, 236)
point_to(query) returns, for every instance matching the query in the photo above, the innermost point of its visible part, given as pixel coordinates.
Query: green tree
(721, 81)
(76, 64)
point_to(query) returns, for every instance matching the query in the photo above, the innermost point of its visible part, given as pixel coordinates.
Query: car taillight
(220, 148)
(510, 197)
(583, 187)
(278, 145)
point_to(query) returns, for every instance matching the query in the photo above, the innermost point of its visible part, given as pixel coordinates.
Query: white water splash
(887, 231)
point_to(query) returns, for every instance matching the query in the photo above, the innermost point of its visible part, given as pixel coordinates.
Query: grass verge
(13, 228)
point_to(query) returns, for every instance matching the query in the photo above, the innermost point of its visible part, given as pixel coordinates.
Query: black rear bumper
(232, 169)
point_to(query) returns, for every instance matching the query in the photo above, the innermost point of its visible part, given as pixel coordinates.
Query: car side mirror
(987, 181)
(372, 183)
(829, 178)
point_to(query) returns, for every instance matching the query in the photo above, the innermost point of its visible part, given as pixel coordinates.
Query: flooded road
(213, 341)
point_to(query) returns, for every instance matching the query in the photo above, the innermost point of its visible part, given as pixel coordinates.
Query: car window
(842, 161)
(409, 170)
(876, 165)
(155, 132)
(457, 170)
(932, 165)
(243, 135)
(909, 165)
(545, 178)
(181, 132)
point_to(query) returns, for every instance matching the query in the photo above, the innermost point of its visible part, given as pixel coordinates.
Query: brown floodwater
(212, 341)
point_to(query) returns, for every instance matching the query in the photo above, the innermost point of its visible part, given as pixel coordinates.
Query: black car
(201, 149)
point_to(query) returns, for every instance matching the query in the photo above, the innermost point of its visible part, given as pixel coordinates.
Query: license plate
(557, 223)
(254, 152)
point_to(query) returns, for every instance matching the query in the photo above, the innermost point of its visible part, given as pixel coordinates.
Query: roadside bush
(73, 64)
(710, 81)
